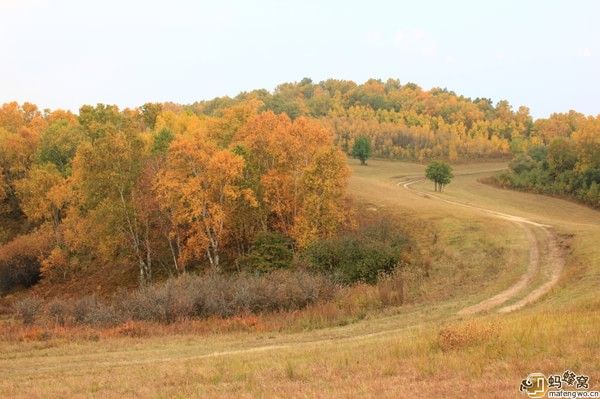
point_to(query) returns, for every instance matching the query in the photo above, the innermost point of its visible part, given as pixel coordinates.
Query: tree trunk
(173, 255)
(144, 266)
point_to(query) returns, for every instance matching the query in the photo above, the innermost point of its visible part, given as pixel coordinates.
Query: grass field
(422, 349)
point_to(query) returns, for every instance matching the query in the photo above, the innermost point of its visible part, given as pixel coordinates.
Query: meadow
(424, 348)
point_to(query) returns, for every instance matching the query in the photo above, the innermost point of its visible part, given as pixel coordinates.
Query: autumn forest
(168, 188)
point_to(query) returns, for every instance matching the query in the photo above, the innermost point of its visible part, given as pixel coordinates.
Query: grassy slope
(392, 355)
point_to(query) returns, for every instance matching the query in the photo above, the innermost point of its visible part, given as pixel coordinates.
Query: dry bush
(192, 304)
(90, 310)
(165, 302)
(278, 291)
(466, 334)
(390, 287)
(358, 299)
(28, 309)
(189, 297)
(102, 315)
(212, 294)
(58, 311)
(80, 309)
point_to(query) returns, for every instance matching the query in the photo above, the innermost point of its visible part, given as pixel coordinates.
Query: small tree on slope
(362, 149)
(440, 173)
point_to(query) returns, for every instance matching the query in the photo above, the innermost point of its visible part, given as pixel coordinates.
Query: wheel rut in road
(553, 259)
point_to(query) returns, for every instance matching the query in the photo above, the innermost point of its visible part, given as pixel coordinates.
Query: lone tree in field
(440, 173)
(362, 149)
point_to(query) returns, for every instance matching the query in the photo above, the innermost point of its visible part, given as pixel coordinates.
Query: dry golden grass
(422, 349)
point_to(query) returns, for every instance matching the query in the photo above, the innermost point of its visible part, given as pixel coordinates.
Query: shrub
(280, 291)
(20, 260)
(539, 153)
(522, 163)
(58, 311)
(351, 258)
(81, 308)
(214, 294)
(269, 251)
(28, 309)
(191, 296)
(102, 315)
(390, 287)
(91, 311)
(165, 302)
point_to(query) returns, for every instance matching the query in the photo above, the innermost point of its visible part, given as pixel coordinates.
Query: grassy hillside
(423, 348)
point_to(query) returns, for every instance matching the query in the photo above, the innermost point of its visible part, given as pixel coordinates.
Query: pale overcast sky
(61, 54)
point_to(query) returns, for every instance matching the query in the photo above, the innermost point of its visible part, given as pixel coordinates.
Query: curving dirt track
(522, 291)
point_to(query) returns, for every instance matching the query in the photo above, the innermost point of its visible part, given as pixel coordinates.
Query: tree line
(164, 189)
(564, 160)
(403, 121)
(168, 187)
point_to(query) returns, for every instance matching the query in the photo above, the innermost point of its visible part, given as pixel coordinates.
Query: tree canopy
(163, 188)
(169, 187)
(362, 149)
(440, 173)
(565, 162)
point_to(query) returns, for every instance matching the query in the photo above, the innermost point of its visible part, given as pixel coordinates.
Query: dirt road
(523, 291)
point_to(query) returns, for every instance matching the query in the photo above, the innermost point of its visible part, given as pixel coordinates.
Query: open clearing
(538, 313)
(554, 258)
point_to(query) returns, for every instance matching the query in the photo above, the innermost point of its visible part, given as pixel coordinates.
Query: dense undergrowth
(186, 297)
(373, 264)
(279, 300)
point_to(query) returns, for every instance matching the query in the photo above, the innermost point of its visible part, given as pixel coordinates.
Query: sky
(62, 54)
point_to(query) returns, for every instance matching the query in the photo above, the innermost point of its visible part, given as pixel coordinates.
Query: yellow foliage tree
(198, 188)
